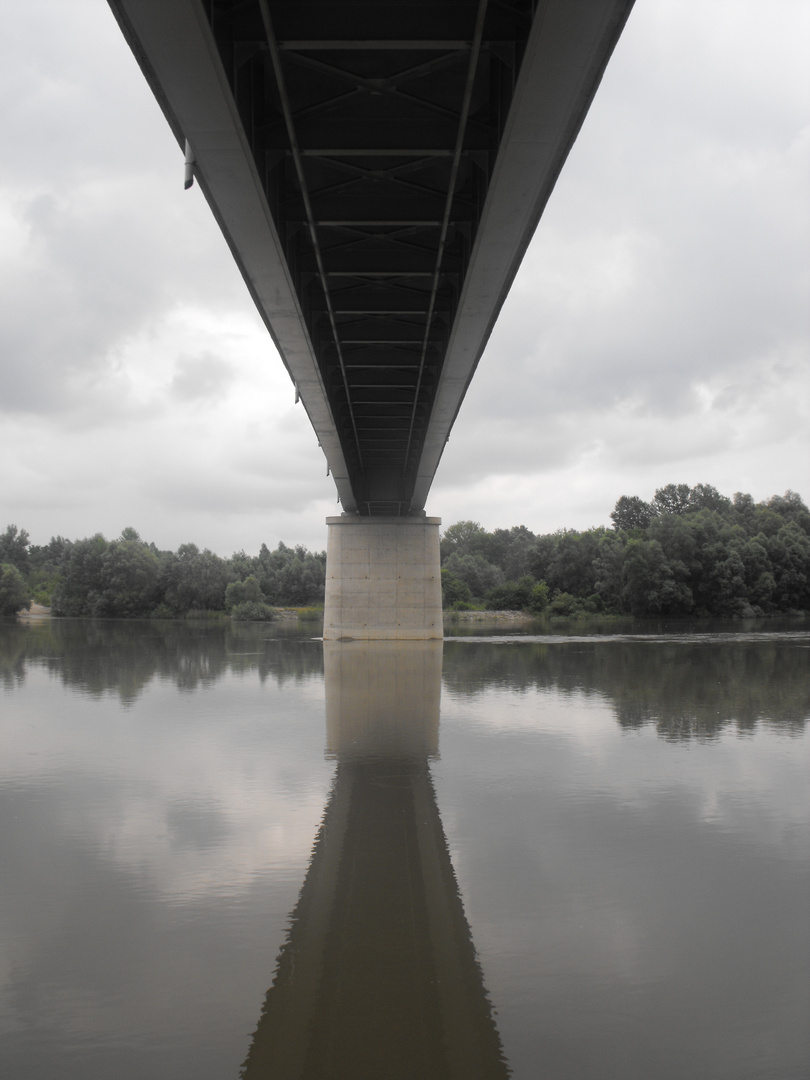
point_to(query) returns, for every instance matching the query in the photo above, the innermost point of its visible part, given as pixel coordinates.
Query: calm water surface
(231, 852)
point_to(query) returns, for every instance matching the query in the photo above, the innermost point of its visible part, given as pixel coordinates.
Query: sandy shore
(36, 611)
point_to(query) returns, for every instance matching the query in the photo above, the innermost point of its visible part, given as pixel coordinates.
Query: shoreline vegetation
(688, 553)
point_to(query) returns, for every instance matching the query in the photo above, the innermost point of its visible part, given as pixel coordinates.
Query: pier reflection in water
(378, 976)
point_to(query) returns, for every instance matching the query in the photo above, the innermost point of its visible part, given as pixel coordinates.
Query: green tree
(14, 595)
(48, 558)
(721, 588)
(525, 594)
(511, 595)
(631, 512)
(44, 575)
(540, 557)
(81, 568)
(679, 541)
(760, 584)
(518, 548)
(538, 601)
(743, 508)
(563, 603)
(706, 497)
(243, 592)
(463, 538)
(454, 590)
(608, 567)
(648, 583)
(789, 553)
(14, 548)
(672, 499)
(475, 571)
(766, 520)
(128, 584)
(572, 567)
(717, 575)
(195, 579)
(292, 576)
(243, 566)
(302, 581)
(790, 507)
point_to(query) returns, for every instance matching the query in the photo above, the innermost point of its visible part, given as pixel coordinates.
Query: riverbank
(36, 611)
(518, 617)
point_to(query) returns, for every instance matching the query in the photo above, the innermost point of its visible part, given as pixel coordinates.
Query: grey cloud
(230, 493)
(104, 245)
(710, 214)
(198, 377)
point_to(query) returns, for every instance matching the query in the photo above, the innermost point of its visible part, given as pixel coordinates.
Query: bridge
(378, 168)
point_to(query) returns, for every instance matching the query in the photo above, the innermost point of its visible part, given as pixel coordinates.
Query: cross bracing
(378, 168)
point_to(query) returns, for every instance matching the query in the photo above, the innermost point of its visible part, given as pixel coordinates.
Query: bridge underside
(378, 168)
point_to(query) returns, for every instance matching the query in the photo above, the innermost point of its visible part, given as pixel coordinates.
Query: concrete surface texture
(383, 579)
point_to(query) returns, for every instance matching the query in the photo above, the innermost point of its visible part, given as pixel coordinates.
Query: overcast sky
(658, 331)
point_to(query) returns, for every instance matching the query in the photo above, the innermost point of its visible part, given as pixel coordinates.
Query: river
(230, 851)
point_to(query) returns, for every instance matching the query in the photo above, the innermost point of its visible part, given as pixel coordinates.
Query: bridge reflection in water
(378, 976)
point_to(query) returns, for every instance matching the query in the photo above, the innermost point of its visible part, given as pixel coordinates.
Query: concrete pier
(383, 579)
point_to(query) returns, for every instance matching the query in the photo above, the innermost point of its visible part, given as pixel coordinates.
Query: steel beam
(392, 176)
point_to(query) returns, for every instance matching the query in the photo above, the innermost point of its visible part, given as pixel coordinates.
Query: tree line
(129, 577)
(688, 551)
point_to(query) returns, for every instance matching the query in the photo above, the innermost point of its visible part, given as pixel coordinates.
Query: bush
(253, 611)
(519, 595)
(209, 614)
(563, 604)
(593, 604)
(242, 592)
(523, 595)
(510, 596)
(538, 600)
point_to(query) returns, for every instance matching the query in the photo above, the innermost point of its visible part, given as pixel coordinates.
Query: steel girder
(378, 168)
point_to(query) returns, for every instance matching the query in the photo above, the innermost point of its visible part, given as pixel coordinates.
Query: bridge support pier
(383, 579)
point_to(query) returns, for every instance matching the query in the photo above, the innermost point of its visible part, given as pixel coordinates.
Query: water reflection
(638, 901)
(123, 657)
(378, 976)
(687, 686)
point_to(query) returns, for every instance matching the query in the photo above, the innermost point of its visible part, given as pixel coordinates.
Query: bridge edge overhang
(226, 174)
(508, 223)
